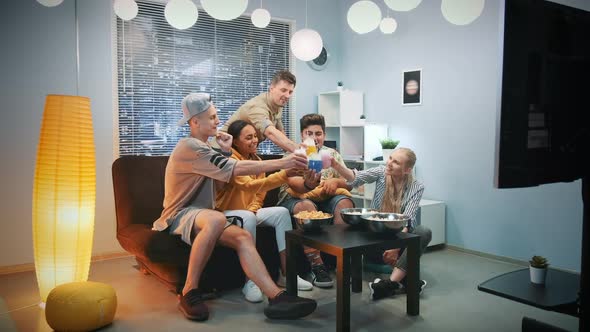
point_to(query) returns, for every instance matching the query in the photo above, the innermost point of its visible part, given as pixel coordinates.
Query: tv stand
(563, 292)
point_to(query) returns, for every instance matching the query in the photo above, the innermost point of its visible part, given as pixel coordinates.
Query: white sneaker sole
(302, 284)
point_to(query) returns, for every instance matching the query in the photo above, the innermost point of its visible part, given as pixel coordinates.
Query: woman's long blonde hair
(392, 199)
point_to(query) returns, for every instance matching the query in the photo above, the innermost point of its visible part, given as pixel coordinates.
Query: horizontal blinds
(158, 65)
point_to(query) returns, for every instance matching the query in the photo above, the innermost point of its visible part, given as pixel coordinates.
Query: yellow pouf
(80, 306)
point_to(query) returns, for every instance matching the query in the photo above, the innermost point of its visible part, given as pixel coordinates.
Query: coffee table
(348, 244)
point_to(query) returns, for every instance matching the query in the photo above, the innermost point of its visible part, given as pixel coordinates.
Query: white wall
(453, 132)
(38, 58)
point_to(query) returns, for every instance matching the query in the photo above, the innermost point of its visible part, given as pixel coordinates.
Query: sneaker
(285, 306)
(320, 277)
(192, 306)
(421, 285)
(252, 292)
(383, 288)
(302, 284)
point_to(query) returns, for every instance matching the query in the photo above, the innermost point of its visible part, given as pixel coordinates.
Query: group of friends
(213, 176)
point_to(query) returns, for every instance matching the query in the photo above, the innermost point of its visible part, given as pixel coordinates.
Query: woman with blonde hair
(397, 191)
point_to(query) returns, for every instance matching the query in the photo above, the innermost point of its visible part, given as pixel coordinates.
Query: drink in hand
(310, 144)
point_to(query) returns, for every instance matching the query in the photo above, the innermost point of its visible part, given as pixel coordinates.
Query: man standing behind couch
(191, 175)
(265, 111)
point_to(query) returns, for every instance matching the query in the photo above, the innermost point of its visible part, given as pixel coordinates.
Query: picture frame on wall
(412, 87)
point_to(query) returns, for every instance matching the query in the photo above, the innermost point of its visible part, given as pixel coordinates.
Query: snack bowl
(353, 216)
(314, 223)
(387, 222)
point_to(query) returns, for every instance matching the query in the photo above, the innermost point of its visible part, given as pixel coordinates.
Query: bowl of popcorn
(386, 222)
(313, 220)
(353, 217)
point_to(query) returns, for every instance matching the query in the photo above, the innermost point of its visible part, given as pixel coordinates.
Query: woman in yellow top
(248, 193)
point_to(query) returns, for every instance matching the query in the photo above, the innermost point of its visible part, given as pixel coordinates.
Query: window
(158, 65)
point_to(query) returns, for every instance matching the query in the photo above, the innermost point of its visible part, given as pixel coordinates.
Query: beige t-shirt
(191, 169)
(261, 112)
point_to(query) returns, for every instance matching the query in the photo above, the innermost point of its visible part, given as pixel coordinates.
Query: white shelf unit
(342, 112)
(432, 215)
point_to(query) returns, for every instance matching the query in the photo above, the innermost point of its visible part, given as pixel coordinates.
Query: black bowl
(352, 216)
(387, 222)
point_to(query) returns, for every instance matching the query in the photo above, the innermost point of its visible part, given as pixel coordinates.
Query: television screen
(544, 132)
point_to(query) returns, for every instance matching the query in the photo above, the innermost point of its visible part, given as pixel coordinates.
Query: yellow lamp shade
(64, 193)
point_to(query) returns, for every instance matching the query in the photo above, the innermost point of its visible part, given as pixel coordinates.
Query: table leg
(357, 273)
(343, 292)
(291, 268)
(412, 277)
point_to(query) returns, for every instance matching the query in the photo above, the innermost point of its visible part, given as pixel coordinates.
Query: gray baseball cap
(193, 104)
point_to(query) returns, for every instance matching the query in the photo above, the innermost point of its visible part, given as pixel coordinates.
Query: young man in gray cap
(191, 173)
(265, 111)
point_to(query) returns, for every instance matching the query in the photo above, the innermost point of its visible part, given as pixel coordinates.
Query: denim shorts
(327, 206)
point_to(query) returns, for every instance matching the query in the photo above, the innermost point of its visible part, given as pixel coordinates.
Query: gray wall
(454, 131)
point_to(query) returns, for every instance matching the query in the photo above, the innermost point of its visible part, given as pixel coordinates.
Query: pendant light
(363, 16)
(181, 14)
(260, 17)
(306, 44)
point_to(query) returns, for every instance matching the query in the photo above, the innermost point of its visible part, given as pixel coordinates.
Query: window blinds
(157, 65)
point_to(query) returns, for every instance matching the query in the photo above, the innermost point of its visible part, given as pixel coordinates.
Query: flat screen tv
(544, 131)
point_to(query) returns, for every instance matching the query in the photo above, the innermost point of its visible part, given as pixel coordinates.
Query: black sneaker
(320, 277)
(192, 306)
(421, 284)
(285, 306)
(383, 288)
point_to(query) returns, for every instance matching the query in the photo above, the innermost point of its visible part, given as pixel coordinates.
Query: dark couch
(138, 183)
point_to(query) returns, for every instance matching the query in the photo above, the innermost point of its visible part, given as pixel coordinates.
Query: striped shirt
(410, 200)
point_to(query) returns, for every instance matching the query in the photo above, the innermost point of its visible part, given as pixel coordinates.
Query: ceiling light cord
(77, 48)
(306, 14)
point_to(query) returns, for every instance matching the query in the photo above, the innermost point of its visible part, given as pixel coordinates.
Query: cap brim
(182, 121)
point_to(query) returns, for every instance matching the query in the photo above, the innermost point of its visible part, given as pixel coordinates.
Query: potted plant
(388, 145)
(339, 86)
(538, 269)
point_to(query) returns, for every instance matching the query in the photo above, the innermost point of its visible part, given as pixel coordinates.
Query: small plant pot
(538, 275)
(386, 154)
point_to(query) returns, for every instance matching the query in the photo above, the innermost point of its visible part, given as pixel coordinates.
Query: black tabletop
(345, 237)
(560, 289)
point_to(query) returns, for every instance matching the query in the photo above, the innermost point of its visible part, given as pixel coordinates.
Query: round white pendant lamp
(125, 9)
(402, 5)
(181, 14)
(306, 44)
(461, 12)
(50, 3)
(260, 18)
(224, 10)
(364, 16)
(388, 25)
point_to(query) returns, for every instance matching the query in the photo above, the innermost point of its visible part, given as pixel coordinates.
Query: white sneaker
(252, 292)
(302, 284)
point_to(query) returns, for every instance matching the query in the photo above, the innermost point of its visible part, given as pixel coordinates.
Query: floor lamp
(64, 190)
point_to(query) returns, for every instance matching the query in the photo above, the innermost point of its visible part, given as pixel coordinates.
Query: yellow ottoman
(80, 306)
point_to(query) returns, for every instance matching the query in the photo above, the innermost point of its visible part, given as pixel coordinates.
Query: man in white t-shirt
(192, 172)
